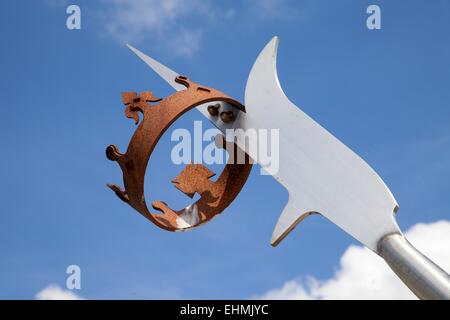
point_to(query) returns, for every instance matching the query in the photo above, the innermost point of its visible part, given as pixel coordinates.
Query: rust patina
(158, 115)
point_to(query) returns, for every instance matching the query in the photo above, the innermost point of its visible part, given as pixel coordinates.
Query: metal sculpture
(322, 175)
(158, 115)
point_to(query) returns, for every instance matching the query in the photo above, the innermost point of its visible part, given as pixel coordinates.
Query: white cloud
(361, 274)
(54, 292)
(163, 23)
(177, 26)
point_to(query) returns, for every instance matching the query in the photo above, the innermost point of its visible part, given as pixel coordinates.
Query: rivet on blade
(214, 109)
(227, 116)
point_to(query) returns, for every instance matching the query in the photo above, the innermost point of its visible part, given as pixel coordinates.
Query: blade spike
(164, 72)
(288, 221)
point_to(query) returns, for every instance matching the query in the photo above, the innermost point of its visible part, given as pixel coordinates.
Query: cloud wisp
(54, 292)
(178, 26)
(361, 274)
(158, 22)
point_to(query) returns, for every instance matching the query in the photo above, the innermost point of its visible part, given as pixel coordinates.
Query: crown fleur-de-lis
(135, 103)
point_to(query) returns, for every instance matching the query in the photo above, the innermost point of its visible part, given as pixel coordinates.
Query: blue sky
(385, 93)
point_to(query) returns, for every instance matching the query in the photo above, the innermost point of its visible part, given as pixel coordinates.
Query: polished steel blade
(164, 72)
(321, 174)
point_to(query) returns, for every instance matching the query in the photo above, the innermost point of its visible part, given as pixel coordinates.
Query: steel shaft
(425, 279)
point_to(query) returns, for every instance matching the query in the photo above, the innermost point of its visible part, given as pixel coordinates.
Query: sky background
(385, 93)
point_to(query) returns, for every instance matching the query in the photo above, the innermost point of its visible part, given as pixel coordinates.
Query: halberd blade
(164, 72)
(169, 76)
(321, 174)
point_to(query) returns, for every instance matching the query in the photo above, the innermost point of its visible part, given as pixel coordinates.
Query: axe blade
(321, 174)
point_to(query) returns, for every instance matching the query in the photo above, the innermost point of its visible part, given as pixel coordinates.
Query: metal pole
(425, 279)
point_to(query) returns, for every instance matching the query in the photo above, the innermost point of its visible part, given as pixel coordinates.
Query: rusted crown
(158, 115)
